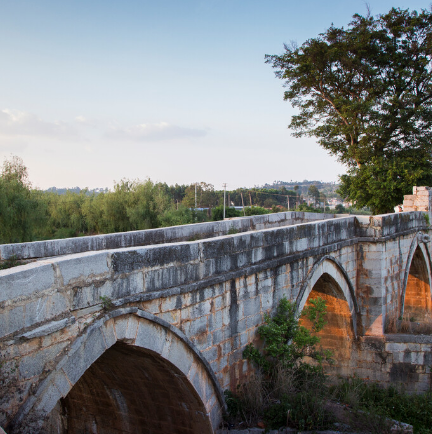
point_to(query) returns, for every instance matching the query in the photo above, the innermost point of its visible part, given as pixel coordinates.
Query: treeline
(28, 214)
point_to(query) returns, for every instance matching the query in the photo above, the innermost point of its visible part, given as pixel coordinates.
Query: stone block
(395, 347)
(163, 278)
(179, 355)
(170, 303)
(90, 347)
(254, 320)
(47, 401)
(411, 346)
(151, 336)
(198, 326)
(114, 290)
(131, 329)
(226, 347)
(250, 307)
(108, 330)
(216, 321)
(197, 310)
(59, 380)
(86, 311)
(46, 329)
(196, 377)
(25, 280)
(417, 358)
(220, 335)
(216, 416)
(210, 354)
(221, 301)
(58, 303)
(171, 317)
(266, 301)
(12, 320)
(152, 306)
(83, 266)
(33, 364)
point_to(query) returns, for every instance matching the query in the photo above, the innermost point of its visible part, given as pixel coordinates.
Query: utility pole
(195, 194)
(288, 202)
(224, 186)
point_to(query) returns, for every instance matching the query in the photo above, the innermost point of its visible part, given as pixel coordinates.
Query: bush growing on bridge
(287, 343)
(289, 386)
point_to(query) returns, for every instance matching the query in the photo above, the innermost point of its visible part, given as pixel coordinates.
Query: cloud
(86, 122)
(153, 132)
(18, 124)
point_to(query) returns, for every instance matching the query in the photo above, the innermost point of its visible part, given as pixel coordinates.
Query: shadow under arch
(331, 267)
(328, 281)
(123, 355)
(416, 300)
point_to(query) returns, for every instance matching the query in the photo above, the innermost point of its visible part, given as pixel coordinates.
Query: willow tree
(365, 92)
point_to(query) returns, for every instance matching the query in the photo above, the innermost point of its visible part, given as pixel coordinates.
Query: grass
(408, 324)
(295, 398)
(387, 403)
(10, 262)
(309, 403)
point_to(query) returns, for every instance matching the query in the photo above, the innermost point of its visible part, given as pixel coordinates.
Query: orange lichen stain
(337, 335)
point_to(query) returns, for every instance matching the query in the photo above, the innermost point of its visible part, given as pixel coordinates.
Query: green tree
(205, 196)
(366, 93)
(21, 212)
(314, 192)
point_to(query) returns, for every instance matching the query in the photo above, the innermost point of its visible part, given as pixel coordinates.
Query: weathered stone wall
(420, 200)
(398, 360)
(208, 296)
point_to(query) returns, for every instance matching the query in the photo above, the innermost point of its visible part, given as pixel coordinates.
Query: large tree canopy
(366, 93)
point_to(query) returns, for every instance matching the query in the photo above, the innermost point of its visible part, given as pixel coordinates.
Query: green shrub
(256, 210)
(217, 213)
(286, 389)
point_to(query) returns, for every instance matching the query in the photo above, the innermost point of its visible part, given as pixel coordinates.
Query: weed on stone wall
(232, 230)
(10, 262)
(106, 302)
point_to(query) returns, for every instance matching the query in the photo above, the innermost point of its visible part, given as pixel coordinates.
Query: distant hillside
(328, 188)
(76, 190)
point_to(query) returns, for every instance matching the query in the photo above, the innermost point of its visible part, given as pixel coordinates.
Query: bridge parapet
(67, 246)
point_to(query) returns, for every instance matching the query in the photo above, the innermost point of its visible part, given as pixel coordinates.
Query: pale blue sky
(174, 90)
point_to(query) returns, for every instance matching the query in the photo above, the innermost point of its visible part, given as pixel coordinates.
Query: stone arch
(331, 267)
(162, 358)
(328, 280)
(416, 298)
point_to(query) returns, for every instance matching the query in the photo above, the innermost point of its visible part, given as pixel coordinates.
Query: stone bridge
(142, 331)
